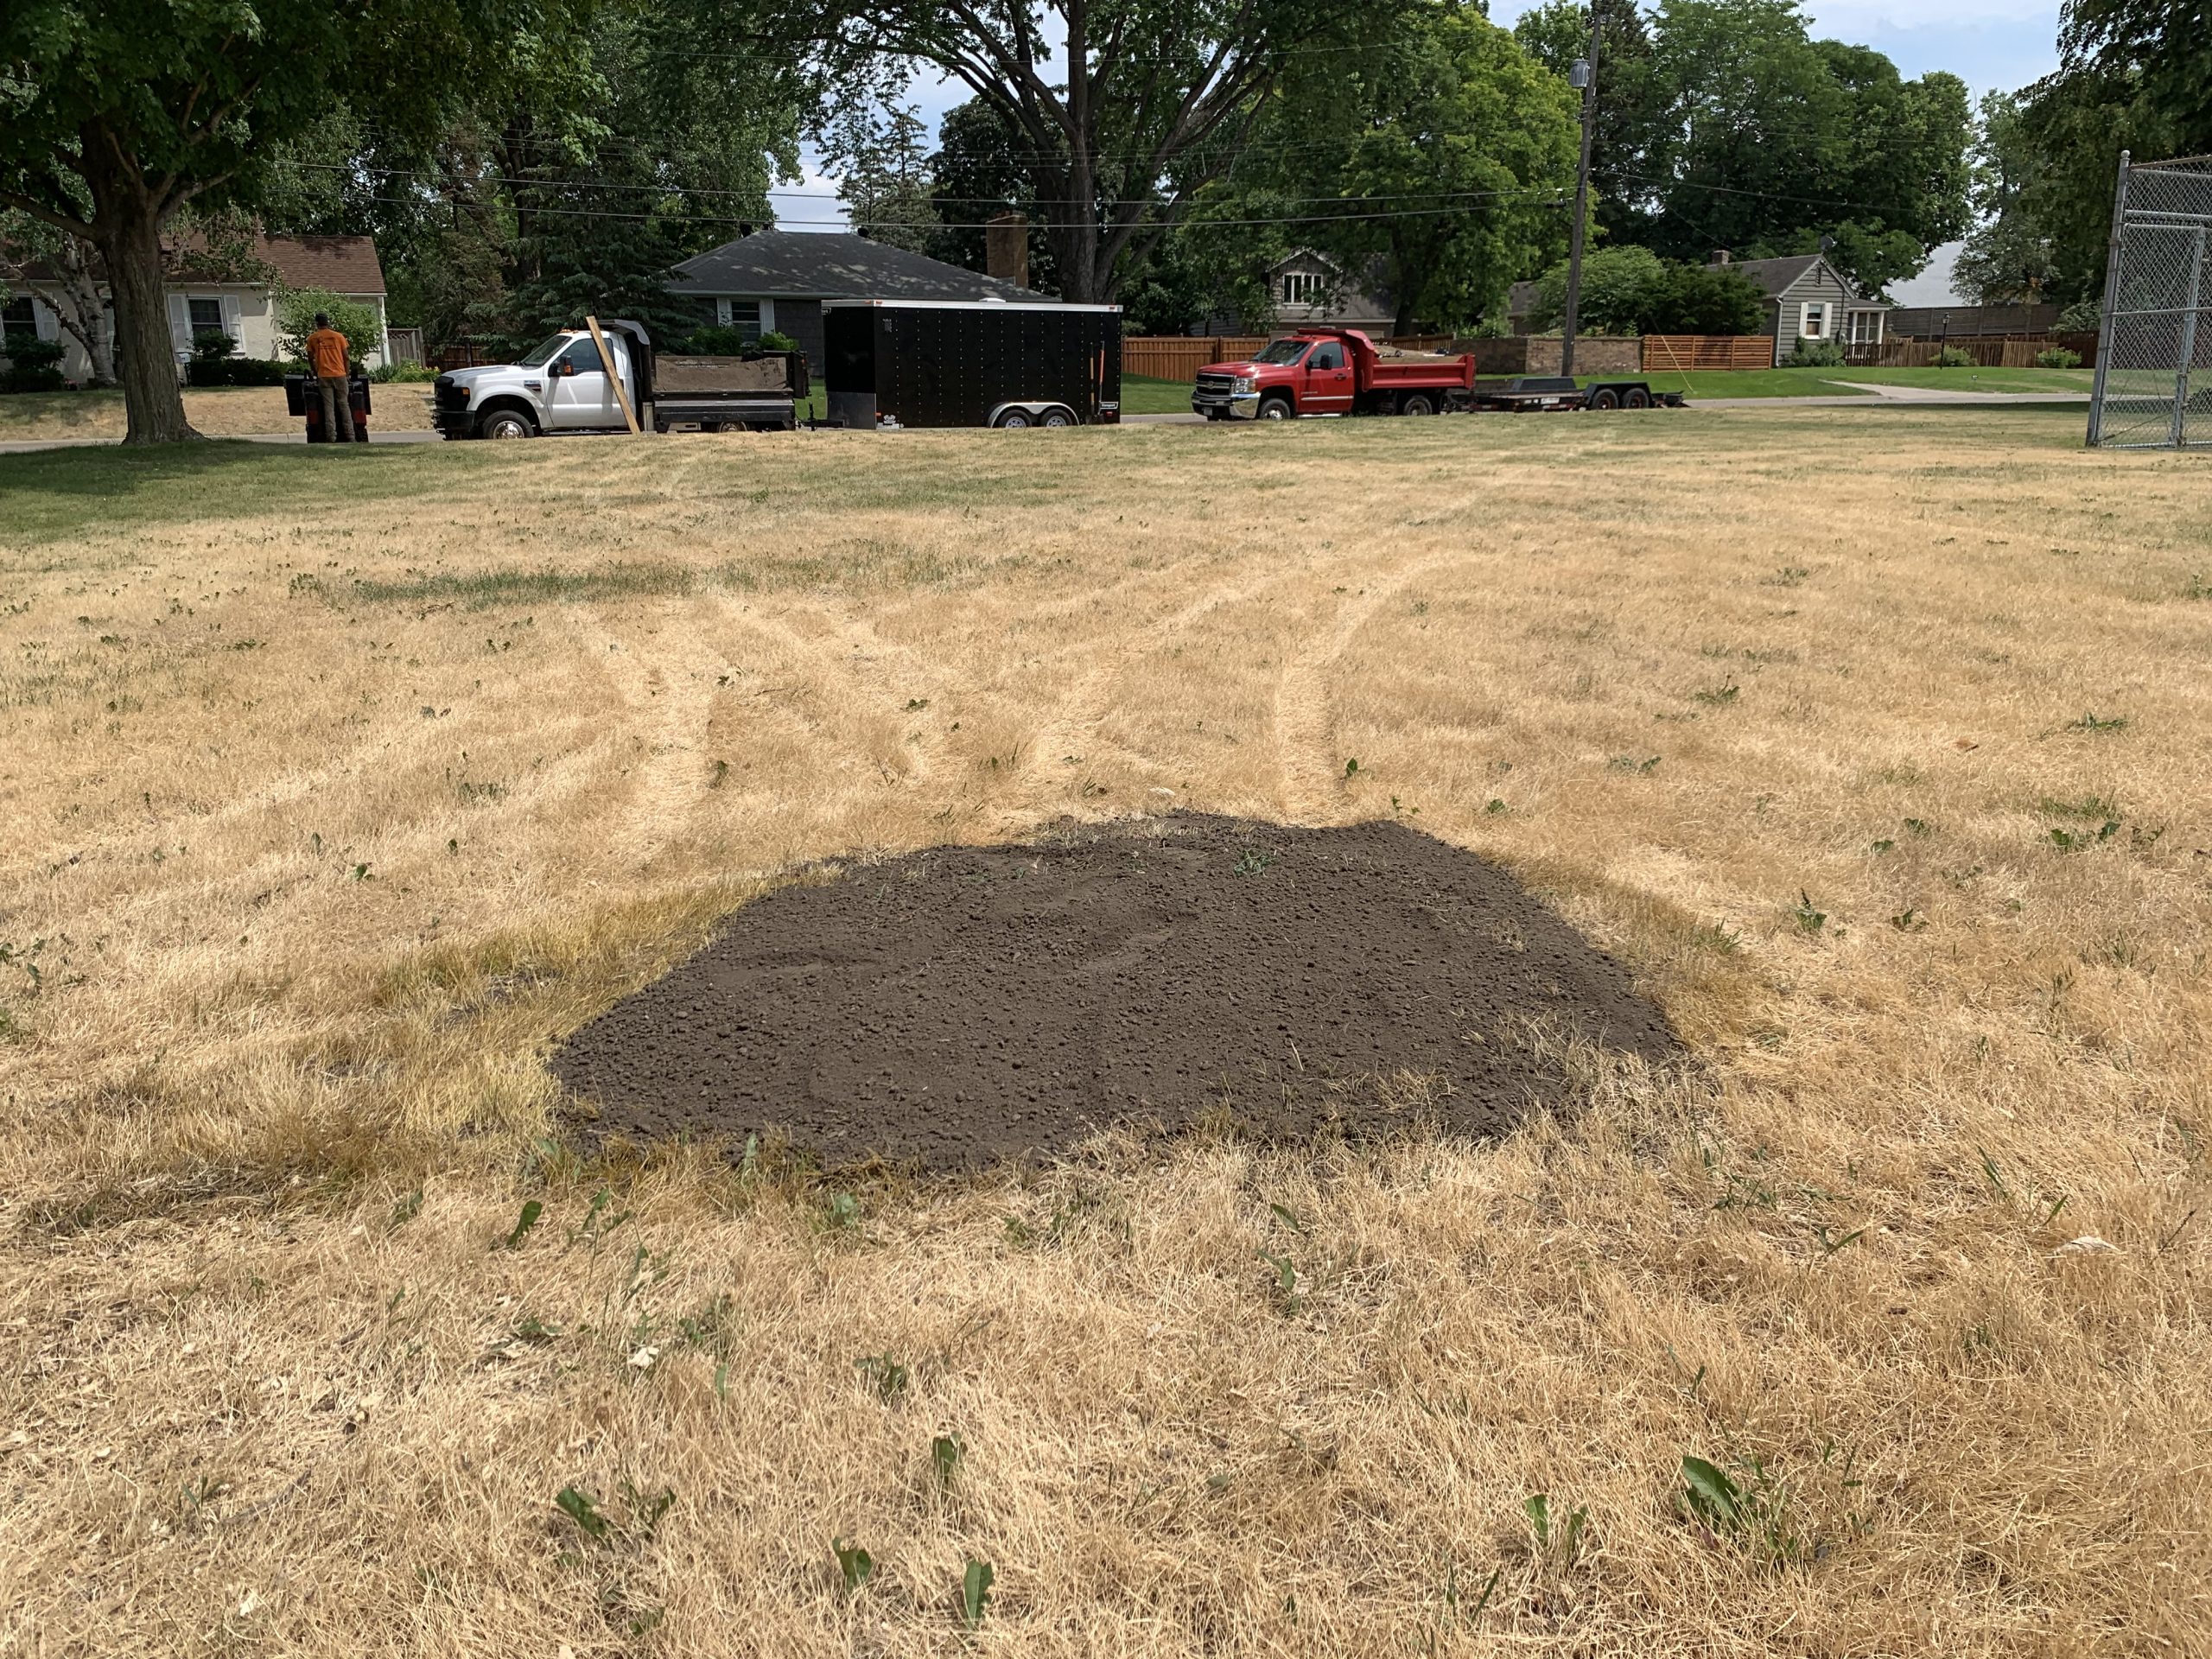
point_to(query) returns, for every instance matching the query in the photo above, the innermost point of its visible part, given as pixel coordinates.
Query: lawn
(337, 791)
(1834, 382)
(217, 411)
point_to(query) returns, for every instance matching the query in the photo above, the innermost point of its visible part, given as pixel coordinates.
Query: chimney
(1005, 248)
(1721, 257)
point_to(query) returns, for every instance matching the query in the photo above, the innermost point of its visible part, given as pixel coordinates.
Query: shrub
(403, 371)
(212, 344)
(32, 365)
(234, 371)
(1815, 355)
(295, 309)
(776, 341)
(2059, 357)
(2082, 317)
(1629, 290)
(1956, 357)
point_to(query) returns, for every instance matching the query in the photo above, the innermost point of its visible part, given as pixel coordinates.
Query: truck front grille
(1216, 385)
(446, 395)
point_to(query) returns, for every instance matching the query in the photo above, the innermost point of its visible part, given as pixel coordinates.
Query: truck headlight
(1246, 382)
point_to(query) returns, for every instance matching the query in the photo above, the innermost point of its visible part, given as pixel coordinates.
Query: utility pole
(1583, 76)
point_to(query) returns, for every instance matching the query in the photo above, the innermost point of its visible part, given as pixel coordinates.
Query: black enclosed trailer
(971, 363)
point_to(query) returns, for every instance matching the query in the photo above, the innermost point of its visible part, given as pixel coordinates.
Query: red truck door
(1329, 387)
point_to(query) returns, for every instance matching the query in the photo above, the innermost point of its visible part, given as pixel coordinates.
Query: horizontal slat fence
(1676, 352)
(1988, 351)
(1179, 356)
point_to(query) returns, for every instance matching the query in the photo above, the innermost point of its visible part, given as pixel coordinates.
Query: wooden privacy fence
(1179, 356)
(1988, 351)
(1675, 353)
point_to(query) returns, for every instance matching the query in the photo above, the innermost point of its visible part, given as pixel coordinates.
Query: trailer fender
(1018, 414)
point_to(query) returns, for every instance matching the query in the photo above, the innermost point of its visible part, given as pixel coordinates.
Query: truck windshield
(541, 355)
(1284, 350)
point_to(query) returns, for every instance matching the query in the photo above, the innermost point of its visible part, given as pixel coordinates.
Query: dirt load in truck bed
(966, 1004)
(707, 374)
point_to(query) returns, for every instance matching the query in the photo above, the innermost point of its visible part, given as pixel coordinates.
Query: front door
(581, 397)
(1328, 379)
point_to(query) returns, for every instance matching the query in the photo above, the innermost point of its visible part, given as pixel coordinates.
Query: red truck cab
(1332, 371)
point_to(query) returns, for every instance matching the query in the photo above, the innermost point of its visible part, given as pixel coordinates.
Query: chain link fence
(2154, 358)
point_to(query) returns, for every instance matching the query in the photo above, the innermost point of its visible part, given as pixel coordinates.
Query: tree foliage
(1124, 108)
(117, 116)
(1723, 123)
(1433, 165)
(1630, 291)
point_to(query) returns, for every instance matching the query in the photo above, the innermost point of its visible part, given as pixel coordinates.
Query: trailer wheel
(1637, 399)
(1056, 418)
(1416, 403)
(1015, 420)
(1274, 408)
(1605, 398)
(506, 423)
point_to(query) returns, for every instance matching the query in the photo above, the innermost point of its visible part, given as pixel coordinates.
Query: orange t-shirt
(326, 350)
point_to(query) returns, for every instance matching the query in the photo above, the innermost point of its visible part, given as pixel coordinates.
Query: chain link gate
(2154, 346)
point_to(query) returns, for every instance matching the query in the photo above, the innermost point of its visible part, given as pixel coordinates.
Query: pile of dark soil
(967, 1004)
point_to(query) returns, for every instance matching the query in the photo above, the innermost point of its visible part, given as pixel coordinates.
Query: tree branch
(44, 214)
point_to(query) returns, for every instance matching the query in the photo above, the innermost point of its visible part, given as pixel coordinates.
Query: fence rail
(1671, 353)
(1179, 356)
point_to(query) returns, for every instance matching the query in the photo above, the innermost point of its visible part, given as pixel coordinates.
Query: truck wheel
(1605, 398)
(1056, 418)
(1637, 399)
(1015, 420)
(1416, 403)
(507, 425)
(1274, 408)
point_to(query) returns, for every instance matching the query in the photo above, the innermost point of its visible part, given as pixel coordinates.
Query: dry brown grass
(261, 1397)
(216, 411)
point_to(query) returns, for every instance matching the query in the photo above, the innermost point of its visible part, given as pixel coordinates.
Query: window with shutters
(207, 315)
(18, 320)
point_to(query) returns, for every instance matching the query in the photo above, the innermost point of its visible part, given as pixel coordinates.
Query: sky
(1991, 45)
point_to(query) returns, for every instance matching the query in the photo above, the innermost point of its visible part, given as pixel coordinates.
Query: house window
(744, 316)
(1299, 288)
(1865, 327)
(206, 316)
(1813, 320)
(18, 320)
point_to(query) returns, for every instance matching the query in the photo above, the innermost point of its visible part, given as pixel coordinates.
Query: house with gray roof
(1807, 298)
(777, 280)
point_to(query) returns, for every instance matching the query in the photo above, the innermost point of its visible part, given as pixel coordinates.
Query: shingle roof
(808, 265)
(1773, 276)
(341, 265)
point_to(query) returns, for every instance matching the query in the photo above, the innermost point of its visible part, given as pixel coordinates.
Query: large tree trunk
(127, 220)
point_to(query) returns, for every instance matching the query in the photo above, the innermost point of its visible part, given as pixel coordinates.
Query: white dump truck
(564, 386)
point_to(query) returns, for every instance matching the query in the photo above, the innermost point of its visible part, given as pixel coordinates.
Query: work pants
(337, 406)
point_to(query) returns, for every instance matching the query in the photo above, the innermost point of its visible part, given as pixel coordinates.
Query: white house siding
(249, 314)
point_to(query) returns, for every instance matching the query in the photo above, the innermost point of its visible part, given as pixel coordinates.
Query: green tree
(1617, 284)
(296, 309)
(2007, 259)
(1631, 103)
(1125, 108)
(1436, 163)
(118, 115)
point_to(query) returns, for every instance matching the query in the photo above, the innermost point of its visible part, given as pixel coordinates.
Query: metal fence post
(2104, 336)
(2187, 353)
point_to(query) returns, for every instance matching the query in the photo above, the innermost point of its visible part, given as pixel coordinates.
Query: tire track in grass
(1312, 788)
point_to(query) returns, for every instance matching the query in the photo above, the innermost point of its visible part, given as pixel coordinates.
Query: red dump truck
(1319, 370)
(1333, 371)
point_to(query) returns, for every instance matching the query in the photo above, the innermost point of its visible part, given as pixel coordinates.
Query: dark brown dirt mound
(958, 1006)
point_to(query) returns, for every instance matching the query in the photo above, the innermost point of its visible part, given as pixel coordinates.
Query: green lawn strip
(1841, 383)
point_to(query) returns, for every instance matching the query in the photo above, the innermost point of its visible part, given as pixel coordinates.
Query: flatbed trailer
(1526, 393)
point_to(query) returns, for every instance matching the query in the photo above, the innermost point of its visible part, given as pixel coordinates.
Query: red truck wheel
(1416, 403)
(1274, 408)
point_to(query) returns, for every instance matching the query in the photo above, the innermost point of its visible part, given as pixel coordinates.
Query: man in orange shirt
(328, 353)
